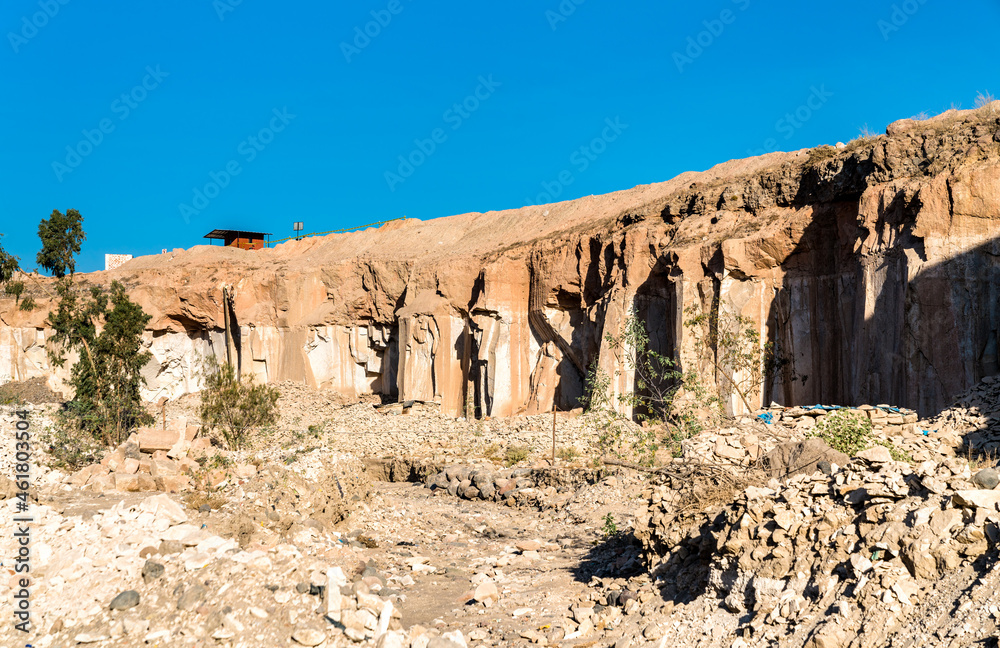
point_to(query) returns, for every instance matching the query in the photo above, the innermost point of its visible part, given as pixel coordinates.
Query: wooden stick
(553, 430)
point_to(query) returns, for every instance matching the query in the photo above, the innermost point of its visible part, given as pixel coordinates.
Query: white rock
(164, 508)
(391, 640)
(86, 638)
(308, 636)
(158, 635)
(178, 532)
(335, 578)
(456, 636)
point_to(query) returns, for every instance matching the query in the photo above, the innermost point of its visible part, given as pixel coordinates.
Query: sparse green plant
(610, 528)
(653, 401)
(515, 454)
(849, 432)
(845, 431)
(732, 345)
(219, 462)
(316, 431)
(237, 408)
(69, 447)
(8, 266)
(15, 288)
(894, 452)
(567, 454)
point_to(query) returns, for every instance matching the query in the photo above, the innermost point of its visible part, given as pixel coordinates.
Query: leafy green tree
(236, 408)
(107, 377)
(61, 237)
(8, 265)
(15, 288)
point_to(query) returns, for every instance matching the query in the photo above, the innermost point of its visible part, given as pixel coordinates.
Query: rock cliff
(872, 266)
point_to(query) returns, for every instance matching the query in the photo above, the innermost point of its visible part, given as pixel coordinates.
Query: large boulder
(801, 457)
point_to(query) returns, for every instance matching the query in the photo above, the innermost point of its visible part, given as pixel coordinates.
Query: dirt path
(543, 562)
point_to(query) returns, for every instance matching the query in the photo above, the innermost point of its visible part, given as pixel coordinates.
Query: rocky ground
(369, 524)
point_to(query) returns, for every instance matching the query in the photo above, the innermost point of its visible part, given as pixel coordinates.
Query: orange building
(240, 239)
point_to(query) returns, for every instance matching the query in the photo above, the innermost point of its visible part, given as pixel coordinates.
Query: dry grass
(984, 99)
(196, 499)
(979, 459)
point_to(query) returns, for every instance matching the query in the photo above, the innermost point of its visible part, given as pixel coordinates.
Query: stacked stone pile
(541, 486)
(872, 541)
(975, 417)
(739, 446)
(150, 460)
(755, 437)
(922, 439)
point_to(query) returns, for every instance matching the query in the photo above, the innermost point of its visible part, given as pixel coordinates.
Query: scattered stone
(487, 594)
(191, 598)
(309, 636)
(125, 601)
(152, 570)
(987, 478)
(876, 454)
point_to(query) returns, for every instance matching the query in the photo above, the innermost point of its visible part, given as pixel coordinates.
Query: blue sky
(129, 112)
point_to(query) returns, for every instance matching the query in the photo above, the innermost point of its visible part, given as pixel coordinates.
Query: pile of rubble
(541, 486)
(975, 416)
(922, 439)
(144, 572)
(860, 550)
(150, 460)
(943, 436)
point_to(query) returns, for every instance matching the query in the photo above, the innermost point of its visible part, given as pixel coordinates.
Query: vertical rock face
(873, 268)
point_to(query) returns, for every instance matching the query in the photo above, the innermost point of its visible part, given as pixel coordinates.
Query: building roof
(222, 233)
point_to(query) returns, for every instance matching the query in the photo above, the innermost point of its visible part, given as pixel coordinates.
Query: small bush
(69, 447)
(492, 451)
(820, 154)
(850, 433)
(567, 454)
(237, 408)
(845, 432)
(515, 454)
(610, 529)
